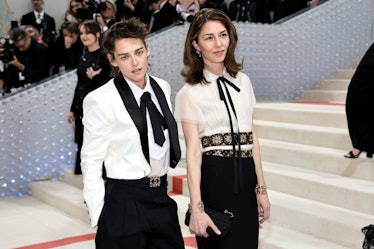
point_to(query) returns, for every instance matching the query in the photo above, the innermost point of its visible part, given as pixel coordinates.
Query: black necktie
(157, 120)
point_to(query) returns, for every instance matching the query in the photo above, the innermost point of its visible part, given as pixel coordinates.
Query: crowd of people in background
(35, 49)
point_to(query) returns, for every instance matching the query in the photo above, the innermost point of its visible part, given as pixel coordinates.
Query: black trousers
(136, 216)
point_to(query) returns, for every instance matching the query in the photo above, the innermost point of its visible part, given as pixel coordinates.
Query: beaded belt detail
(227, 153)
(225, 139)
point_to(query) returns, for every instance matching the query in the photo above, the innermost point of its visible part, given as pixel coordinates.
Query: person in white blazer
(131, 208)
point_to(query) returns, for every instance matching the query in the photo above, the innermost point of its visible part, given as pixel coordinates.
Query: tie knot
(146, 97)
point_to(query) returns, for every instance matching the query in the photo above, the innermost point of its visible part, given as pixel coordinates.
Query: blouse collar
(211, 77)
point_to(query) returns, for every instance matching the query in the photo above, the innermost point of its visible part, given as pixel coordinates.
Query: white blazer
(110, 136)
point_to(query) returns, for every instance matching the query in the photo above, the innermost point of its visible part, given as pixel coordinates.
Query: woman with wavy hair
(214, 108)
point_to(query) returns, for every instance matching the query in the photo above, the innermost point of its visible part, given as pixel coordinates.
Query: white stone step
(273, 236)
(330, 96)
(327, 188)
(344, 74)
(70, 178)
(315, 158)
(62, 196)
(69, 199)
(330, 137)
(298, 113)
(333, 84)
(327, 222)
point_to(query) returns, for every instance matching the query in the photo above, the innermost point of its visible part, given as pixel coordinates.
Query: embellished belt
(228, 153)
(226, 139)
(147, 182)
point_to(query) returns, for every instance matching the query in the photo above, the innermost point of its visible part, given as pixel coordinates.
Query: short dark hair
(129, 28)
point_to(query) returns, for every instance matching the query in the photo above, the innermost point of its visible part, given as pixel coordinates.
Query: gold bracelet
(261, 190)
(200, 207)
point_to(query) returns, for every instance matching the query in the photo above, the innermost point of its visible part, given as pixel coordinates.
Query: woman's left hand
(263, 206)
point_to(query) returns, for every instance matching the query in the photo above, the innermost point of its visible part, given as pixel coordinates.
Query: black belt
(148, 182)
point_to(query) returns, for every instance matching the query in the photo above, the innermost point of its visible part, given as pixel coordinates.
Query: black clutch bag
(222, 219)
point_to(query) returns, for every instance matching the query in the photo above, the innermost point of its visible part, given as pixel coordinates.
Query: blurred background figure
(164, 14)
(68, 48)
(186, 9)
(134, 8)
(93, 71)
(34, 33)
(44, 23)
(289, 7)
(24, 60)
(215, 4)
(242, 10)
(71, 14)
(107, 16)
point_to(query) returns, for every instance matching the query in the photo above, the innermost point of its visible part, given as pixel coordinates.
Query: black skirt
(217, 191)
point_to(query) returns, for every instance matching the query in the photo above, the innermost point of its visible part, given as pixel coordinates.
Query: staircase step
(320, 115)
(315, 158)
(62, 196)
(344, 73)
(69, 199)
(273, 236)
(330, 96)
(304, 134)
(70, 178)
(333, 84)
(338, 225)
(327, 188)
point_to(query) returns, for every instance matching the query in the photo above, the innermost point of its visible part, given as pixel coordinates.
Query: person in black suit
(131, 208)
(164, 14)
(43, 22)
(28, 63)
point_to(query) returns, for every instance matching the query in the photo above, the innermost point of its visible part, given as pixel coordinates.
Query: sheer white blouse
(201, 104)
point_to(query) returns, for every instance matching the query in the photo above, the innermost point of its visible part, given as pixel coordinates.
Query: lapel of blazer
(175, 151)
(134, 111)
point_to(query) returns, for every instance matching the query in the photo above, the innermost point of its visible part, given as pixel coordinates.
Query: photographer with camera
(44, 23)
(107, 15)
(24, 60)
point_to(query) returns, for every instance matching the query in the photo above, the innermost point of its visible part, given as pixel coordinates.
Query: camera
(92, 8)
(50, 37)
(185, 16)
(8, 53)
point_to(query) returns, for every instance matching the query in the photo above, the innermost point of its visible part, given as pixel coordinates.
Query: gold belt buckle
(154, 181)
